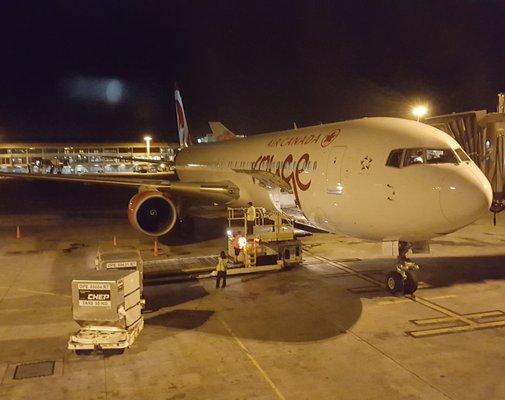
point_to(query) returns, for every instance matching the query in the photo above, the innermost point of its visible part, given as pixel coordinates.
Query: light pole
(148, 139)
(419, 111)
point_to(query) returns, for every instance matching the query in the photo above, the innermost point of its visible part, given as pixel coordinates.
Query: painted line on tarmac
(440, 309)
(474, 316)
(456, 329)
(38, 292)
(253, 360)
(394, 301)
(349, 270)
(446, 296)
(399, 301)
(465, 322)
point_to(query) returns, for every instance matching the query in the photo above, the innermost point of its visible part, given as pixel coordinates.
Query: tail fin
(182, 124)
(220, 131)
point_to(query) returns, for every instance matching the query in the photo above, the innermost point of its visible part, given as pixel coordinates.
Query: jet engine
(151, 212)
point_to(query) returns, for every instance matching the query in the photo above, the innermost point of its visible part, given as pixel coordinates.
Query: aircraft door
(334, 183)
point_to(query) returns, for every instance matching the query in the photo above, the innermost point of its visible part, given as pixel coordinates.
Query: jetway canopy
(465, 128)
(481, 135)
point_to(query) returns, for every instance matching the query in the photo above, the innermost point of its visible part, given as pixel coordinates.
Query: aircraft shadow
(181, 319)
(285, 307)
(162, 296)
(436, 272)
(448, 271)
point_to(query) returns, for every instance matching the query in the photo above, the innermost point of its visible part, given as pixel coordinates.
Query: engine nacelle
(152, 213)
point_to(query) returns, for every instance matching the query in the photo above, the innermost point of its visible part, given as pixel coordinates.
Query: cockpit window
(462, 155)
(440, 156)
(395, 158)
(425, 156)
(429, 156)
(413, 156)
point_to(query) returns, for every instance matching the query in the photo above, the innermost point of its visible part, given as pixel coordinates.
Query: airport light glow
(148, 139)
(419, 111)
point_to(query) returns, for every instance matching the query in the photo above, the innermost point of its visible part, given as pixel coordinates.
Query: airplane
(221, 132)
(390, 180)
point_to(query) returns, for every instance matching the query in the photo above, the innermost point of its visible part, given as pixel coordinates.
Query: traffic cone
(156, 247)
(18, 232)
(114, 241)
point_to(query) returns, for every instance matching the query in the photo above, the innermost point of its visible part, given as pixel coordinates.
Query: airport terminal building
(83, 157)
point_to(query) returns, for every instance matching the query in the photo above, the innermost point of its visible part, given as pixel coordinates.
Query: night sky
(104, 70)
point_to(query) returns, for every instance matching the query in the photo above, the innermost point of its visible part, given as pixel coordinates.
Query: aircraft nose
(464, 196)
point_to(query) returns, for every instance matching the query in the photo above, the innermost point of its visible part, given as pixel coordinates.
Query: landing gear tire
(394, 282)
(410, 284)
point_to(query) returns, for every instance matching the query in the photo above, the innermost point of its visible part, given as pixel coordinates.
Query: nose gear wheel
(403, 280)
(394, 282)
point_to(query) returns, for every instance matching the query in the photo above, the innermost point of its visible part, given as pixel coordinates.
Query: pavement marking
(431, 321)
(365, 289)
(4, 375)
(394, 301)
(38, 292)
(440, 309)
(460, 322)
(446, 296)
(351, 271)
(455, 329)
(20, 310)
(10, 286)
(398, 363)
(105, 377)
(253, 360)
(406, 300)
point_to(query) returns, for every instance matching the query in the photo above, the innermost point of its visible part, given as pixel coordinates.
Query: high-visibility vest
(251, 213)
(242, 242)
(222, 264)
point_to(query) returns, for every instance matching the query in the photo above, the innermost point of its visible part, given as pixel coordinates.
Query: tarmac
(324, 330)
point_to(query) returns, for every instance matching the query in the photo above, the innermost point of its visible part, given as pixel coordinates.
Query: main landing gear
(404, 278)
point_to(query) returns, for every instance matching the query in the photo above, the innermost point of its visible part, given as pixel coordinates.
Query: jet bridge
(481, 135)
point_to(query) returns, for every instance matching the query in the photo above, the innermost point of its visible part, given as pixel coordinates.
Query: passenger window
(413, 156)
(440, 156)
(395, 159)
(462, 155)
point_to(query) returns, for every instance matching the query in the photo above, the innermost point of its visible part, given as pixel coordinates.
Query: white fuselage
(340, 180)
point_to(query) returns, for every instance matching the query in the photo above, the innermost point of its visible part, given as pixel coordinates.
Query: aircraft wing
(215, 191)
(267, 179)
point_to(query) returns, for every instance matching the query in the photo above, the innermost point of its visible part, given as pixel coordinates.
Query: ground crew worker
(251, 218)
(236, 245)
(221, 267)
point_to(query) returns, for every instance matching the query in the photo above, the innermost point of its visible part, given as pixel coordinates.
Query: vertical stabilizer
(221, 132)
(182, 123)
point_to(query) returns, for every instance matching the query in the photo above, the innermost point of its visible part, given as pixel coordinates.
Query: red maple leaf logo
(180, 114)
(330, 137)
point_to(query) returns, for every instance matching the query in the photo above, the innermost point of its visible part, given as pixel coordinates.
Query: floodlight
(148, 139)
(419, 111)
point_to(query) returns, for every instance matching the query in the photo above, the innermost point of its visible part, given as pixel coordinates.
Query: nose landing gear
(404, 278)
